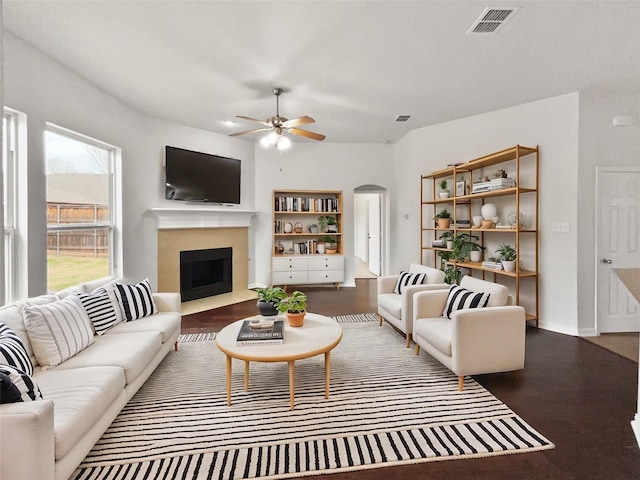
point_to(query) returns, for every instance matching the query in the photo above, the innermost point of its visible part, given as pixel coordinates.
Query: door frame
(599, 171)
(384, 220)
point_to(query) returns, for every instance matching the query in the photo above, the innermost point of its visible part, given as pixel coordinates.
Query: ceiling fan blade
(254, 120)
(250, 131)
(294, 122)
(305, 133)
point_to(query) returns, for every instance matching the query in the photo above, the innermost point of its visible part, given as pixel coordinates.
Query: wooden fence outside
(84, 242)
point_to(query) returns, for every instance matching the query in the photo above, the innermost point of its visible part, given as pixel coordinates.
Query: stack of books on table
(261, 332)
(492, 265)
(480, 187)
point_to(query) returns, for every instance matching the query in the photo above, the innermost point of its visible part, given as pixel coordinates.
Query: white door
(618, 246)
(374, 233)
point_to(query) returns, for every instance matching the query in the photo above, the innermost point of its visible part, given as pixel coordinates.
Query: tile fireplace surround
(199, 229)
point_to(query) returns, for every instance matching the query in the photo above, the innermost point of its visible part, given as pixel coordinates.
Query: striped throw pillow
(102, 308)
(136, 301)
(17, 386)
(460, 298)
(12, 351)
(58, 330)
(407, 279)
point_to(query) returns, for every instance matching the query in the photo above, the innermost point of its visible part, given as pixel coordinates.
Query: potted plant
(448, 237)
(444, 193)
(328, 223)
(330, 244)
(295, 306)
(452, 274)
(443, 218)
(508, 257)
(268, 299)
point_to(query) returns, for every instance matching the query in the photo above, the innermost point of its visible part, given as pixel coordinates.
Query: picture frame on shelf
(461, 187)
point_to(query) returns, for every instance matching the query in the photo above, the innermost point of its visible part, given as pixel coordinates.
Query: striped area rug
(387, 407)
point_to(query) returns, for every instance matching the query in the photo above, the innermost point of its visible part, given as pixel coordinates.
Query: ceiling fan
(278, 125)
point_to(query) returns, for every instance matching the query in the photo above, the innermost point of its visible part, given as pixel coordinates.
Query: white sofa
(47, 439)
(397, 309)
(474, 340)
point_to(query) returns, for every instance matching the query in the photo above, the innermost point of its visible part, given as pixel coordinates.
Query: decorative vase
(321, 247)
(477, 220)
(267, 308)
(295, 319)
(488, 211)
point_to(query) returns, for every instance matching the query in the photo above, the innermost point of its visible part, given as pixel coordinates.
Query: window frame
(114, 186)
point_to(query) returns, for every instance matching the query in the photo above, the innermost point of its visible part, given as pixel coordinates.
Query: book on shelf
(492, 265)
(260, 335)
(439, 243)
(306, 204)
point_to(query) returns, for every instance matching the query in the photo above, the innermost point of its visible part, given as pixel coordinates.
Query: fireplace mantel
(201, 217)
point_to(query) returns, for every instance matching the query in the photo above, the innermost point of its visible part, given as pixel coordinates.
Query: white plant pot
(320, 247)
(450, 244)
(475, 255)
(443, 194)
(509, 265)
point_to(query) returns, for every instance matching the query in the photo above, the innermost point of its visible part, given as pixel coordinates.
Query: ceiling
(353, 66)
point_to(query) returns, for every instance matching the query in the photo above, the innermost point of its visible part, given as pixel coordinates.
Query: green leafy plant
(324, 220)
(506, 252)
(452, 274)
(296, 303)
(444, 213)
(329, 240)
(443, 184)
(271, 294)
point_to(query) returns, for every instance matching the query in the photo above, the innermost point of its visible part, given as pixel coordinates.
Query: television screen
(201, 177)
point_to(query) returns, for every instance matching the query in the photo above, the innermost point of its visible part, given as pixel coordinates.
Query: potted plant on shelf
(448, 237)
(330, 244)
(328, 223)
(443, 218)
(508, 257)
(268, 299)
(295, 307)
(444, 193)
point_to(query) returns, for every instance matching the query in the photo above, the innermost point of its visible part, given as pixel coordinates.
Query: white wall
(601, 144)
(48, 92)
(553, 125)
(316, 166)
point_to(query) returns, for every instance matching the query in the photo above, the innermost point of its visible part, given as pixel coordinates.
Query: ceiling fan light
(269, 140)
(283, 143)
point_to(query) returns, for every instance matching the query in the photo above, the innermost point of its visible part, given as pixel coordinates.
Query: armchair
(473, 341)
(397, 308)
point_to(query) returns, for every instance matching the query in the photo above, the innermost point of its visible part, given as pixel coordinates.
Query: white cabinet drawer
(326, 262)
(326, 276)
(290, 264)
(290, 278)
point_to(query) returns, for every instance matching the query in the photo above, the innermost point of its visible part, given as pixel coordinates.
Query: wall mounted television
(201, 177)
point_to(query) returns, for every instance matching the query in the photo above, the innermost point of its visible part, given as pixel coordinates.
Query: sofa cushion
(136, 301)
(460, 298)
(392, 303)
(17, 386)
(407, 279)
(58, 330)
(132, 352)
(12, 351)
(436, 331)
(81, 396)
(167, 323)
(102, 308)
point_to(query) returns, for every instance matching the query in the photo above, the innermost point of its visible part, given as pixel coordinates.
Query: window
(80, 208)
(9, 142)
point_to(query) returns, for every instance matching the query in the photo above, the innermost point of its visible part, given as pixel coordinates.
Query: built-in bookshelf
(307, 237)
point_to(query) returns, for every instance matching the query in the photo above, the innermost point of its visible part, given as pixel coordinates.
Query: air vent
(492, 20)
(402, 118)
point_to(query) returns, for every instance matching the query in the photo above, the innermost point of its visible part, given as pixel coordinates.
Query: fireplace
(205, 273)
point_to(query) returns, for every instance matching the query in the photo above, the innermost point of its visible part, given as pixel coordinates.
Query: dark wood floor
(577, 394)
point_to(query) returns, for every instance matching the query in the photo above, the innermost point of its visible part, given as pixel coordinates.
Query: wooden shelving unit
(522, 165)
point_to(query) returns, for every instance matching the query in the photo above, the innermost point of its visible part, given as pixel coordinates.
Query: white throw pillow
(136, 301)
(58, 330)
(408, 279)
(460, 298)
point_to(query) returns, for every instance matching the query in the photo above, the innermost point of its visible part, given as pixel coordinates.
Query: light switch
(560, 227)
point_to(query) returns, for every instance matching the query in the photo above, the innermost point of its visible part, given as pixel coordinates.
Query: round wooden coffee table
(319, 334)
